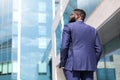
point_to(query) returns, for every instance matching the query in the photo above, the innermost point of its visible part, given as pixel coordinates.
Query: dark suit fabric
(78, 75)
(80, 48)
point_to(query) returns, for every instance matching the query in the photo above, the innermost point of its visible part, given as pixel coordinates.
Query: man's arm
(64, 45)
(98, 47)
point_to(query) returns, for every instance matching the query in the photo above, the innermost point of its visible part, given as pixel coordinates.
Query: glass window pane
(42, 30)
(4, 68)
(14, 54)
(42, 7)
(10, 67)
(14, 42)
(14, 64)
(15, 29)
(4, 55)
(42, 17)
(15, 16)
(58, 37)
(103, 74)
(0, 56)
(43, 42)
(9, 54)
(15, 4)
(42, 67)
(0, 67)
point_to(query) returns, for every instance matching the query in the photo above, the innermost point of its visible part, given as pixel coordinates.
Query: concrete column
(56, 72)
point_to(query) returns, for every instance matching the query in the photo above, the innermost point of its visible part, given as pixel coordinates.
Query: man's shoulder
(83, 24)
(71, 24)
(89, 26)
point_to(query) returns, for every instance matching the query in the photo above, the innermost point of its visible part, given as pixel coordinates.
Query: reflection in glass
(14, 42)
(43, 42)
(42, 67)
(106, 74)
(108, 67)
(15, 4)
(15, 16)
(42, 18)
(42, 30)
(0, 67)
(42, 6)
(15, 28)
(4, 68)
(58, 38)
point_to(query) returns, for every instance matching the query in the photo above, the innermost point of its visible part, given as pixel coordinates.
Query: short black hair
(82, 13)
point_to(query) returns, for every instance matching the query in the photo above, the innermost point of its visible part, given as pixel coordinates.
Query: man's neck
(79, 20)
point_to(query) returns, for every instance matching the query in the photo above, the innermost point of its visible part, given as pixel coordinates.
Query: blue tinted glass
(42, 6)
(70, 7)
(0, 67)
(10, 17)
(0, 57)
(42, 67)
(9, 31)
(42, 30)
(58, 38)
(0, 20)
(14, 54)
(106, 74)
(35, 37)
(42, 18)
(57, 4)
(4, 55)
(89, 7)
(15, 28)
(29, 20)
(1, 7)
(5, 36)
(6, 77)
(47, 51)
(5, 18)
(14, 42)
(9, 54)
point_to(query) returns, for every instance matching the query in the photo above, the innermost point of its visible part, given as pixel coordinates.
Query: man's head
(77, 14)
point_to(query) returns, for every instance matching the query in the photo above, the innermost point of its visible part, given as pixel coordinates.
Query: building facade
(8, 48)
(25, 39)
(30, 37)
(102, 15)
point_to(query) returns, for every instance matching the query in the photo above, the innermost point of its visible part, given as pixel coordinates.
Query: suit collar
(79, 21)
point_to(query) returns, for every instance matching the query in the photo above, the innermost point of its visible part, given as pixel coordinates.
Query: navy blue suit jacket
(80, 48)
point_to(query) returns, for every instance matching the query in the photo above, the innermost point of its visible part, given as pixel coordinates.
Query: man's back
(82, 51)
(82, 34)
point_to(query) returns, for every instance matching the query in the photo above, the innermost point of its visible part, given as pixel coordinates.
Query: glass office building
(30, 39)
(25, 39)
(36, 21)
(8, 48)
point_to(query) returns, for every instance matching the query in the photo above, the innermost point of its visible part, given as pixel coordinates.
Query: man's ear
(80, 17)
(77, 16)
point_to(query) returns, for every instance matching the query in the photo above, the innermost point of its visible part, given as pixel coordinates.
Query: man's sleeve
(64, 46)
(98, 47)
